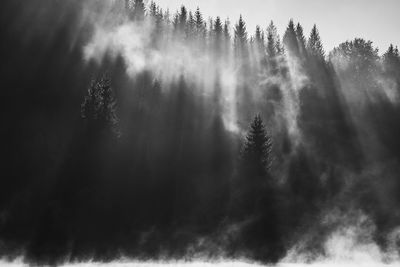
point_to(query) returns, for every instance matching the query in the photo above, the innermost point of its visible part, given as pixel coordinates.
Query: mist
(135, 135)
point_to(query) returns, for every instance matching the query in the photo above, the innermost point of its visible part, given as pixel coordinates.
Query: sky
(337, 20)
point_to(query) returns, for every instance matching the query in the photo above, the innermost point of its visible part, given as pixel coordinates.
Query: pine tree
(153, 9)
(241, 39)
(182, 18)
(271, 40)
(138, 10)
(156, 15)
(314, 45)
(218, 36)
(301, 40)
(98, 107)
(259, 40)
(256, 151)
(218, 29)
(191, 25)
(227, 34)
(200, 24)
(226, 38)
(274, 46)
(290, 39)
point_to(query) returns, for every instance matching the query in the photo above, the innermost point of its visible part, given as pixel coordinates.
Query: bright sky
(337, 20)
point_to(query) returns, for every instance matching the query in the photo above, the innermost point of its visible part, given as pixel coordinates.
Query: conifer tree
(98, 108)
(191, 25)
(271, 40)
(138, 10)
(256, 151)
(153, 9)
(241, 39)
(290, 39)
(218, 36)
(259, 40)
(301, 40)
(218, 29)
(314, 45)
(182, 18)
(274, 46)
(227, 34)
(199, 21)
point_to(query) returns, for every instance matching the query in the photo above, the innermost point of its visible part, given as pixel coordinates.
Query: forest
(133, 131)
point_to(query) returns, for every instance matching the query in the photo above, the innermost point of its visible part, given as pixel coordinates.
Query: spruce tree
(200, 26)
(226, 38)
(153, 9)
(138, 10)
(183, 15)
(227, 34)
(259, 40)
(290, 39)
(301, 39)
(271, 40)
(274, 46)
(191, 25)
(218, 29)
(314, 45)
(241, 39)
(99, 106)
(256, 151)
(218, 36)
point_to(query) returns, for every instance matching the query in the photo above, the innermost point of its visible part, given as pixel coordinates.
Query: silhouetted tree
(290, 40)
(182, 18)
(256, 151)
(218, 36)
(259, 41)
(240, 39)
(314, 45)
(227, 37)
(191, 26)
(273, 43)
(200, 24)
(99, 106)
(301, 40)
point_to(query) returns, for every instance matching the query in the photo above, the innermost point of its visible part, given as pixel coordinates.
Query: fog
(135, 136)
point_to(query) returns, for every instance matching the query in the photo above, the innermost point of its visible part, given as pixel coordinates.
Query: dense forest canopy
(132, 131)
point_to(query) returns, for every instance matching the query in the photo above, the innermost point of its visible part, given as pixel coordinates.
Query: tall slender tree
(218, 36)
(314, 45)
(272, 36)
(301, 40)
(241, 39)
(259, 40)
(290, 39)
